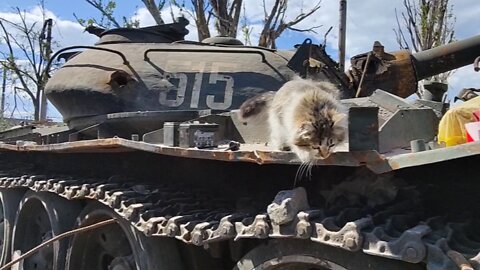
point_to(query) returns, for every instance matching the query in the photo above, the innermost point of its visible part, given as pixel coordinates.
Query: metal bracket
(408, 247)
(363, 128)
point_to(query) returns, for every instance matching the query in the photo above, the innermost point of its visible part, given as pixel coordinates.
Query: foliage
(107, 19)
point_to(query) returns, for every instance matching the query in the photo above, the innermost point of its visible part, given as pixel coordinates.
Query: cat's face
(316, 137)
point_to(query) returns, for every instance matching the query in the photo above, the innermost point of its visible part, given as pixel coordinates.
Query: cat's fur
(303, 115)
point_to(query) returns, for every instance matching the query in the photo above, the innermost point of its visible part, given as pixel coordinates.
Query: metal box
(200, 135)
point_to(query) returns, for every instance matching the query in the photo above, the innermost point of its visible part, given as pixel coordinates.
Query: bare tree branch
(105, 10)
(200, 19)
(154, 10)
(225, 13)
(310, 30)
(235, 10)
(425, 24)
(29, 35)
(246, 30)
(265, 34)
(265, 14)
(275, 23)
(25, 56)
(10, 61)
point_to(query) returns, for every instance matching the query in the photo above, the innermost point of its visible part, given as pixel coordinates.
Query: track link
(393, 231)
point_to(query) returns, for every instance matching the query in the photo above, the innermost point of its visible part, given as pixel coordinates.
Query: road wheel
(41, 216)
(118, 246)
(9, 201)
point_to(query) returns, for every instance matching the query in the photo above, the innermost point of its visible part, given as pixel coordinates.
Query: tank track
(393, 231)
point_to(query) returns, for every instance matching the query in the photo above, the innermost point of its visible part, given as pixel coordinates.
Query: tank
(154, 171)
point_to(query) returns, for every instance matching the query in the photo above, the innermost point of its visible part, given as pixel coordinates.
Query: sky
(367, 21)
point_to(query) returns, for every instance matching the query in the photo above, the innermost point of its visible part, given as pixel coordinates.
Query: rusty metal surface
(392, 72)
(250, 154)
(87, 146)
(312, 61)
(259, 154)
(398, 72)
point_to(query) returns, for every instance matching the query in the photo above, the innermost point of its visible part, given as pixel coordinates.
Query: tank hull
(230, 197)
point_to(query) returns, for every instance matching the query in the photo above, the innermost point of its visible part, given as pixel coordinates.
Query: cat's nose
(324, 151)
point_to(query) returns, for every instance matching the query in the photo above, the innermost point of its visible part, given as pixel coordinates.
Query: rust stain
(370, 159)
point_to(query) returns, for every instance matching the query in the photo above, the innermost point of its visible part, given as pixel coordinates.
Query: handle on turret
(476, 64)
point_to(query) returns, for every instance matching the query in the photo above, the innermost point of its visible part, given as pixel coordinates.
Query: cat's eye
(330, 142)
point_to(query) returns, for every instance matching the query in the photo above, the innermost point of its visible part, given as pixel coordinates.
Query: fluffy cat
(304, 116)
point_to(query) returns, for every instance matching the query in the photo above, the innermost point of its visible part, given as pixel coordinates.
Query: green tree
(107, 17)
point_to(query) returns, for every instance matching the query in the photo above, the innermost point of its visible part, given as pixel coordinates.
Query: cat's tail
(255, 105)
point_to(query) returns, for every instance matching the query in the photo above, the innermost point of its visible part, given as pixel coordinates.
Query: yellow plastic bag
(451, 129)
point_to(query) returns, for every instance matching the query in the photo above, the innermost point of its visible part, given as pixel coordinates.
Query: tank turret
(154, 69)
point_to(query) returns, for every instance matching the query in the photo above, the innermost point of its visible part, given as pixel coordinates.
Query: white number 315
(213, 79)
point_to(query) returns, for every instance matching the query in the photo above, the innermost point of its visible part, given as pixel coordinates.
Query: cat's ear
(340, 119)
(303, 135)
(306, 129)
(339, 133)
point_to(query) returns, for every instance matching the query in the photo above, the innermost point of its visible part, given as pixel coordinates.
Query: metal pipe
(446, 57)
(360, 85)
(57, 238)
(4, 86)
(342, 33)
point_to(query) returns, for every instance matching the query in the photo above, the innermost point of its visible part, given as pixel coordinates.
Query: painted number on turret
(204, 85)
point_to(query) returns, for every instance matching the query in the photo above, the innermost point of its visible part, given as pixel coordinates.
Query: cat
(304, 116)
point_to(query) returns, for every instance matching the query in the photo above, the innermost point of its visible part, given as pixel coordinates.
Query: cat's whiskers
(297, 175)
(300, 172)
(304, 170)
(311, 163)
